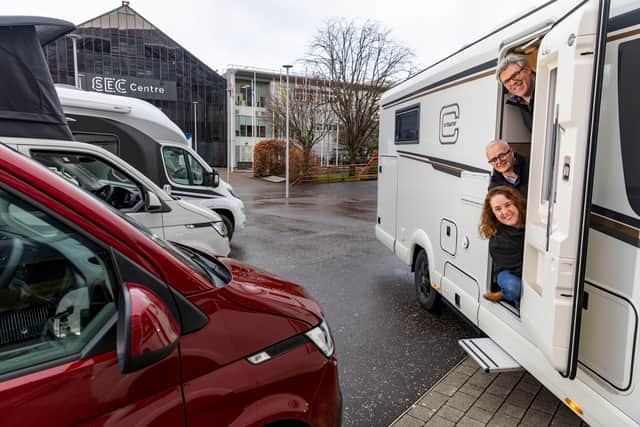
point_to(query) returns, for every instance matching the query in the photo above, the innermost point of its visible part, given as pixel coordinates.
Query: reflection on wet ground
(390, 351)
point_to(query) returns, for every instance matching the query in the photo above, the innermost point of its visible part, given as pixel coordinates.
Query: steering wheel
(10, 255)
(106, 192)
(180, 173)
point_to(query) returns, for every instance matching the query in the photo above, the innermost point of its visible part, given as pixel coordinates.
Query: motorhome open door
(567, 95)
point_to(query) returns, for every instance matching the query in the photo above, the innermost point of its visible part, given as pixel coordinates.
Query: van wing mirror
(211, 179)
(153, 202)
(147, 331)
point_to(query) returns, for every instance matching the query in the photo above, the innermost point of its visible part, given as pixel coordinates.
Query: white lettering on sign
(108, 85)
(134, 87)
(140, 88)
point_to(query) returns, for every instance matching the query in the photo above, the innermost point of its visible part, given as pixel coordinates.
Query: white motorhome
(577, 326)
(122, 186)
(146, 138)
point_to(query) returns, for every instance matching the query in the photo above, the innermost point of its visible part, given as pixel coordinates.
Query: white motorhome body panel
(142, 115)
(387, 190)
(429, 191)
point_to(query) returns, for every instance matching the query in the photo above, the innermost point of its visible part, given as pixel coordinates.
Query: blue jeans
(510, 285)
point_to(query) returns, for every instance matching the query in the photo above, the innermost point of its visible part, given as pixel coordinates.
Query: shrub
(269, 159)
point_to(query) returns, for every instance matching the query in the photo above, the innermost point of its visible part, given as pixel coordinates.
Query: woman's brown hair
(488, 221)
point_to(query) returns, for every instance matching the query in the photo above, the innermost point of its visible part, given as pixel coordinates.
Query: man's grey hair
(512, 58)
(501, 142)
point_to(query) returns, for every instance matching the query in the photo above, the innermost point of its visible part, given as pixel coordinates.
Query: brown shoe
(494, 296)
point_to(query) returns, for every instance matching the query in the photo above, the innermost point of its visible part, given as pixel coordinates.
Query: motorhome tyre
(427, 297)
(228, 222)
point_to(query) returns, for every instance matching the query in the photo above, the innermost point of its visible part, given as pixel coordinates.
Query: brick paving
(469, 397)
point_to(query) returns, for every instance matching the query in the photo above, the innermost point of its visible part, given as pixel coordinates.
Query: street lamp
(286, 150)
(195, 125)
(230, 127)
(74, 39)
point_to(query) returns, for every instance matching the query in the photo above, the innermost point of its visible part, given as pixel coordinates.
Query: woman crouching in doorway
(502, 222)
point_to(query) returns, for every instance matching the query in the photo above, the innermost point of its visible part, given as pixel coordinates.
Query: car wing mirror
(147, 331)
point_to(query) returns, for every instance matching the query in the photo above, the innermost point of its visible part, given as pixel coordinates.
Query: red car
(104, 324)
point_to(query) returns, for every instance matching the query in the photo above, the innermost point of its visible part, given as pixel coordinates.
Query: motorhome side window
(176, 165)
(182, 167)
(629, 107)
(197, 171)
(408, 125)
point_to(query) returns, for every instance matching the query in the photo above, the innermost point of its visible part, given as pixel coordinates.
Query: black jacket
(521, 168)
(507, 249)
(526, 110)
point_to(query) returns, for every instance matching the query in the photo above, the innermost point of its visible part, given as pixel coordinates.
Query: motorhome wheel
(428, 298)
(228, 223)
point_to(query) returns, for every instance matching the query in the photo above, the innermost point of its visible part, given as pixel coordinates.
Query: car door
(60, 291)
(568, 85)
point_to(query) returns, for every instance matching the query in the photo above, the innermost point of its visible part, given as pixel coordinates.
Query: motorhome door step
(489, 355)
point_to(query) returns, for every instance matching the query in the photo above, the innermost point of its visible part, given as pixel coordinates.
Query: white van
(119, 184)
(576, 329)
(146, 138)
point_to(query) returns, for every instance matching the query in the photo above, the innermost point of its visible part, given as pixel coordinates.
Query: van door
(570, 64)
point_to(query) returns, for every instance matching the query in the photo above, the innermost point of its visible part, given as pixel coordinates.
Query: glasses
(500, 157)
(513, 76)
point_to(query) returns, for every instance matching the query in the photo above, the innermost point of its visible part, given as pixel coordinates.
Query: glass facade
(122, 53)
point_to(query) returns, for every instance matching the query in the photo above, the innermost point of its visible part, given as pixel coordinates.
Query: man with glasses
(516, 76)
(509, 168)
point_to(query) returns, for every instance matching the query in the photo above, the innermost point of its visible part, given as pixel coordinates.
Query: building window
(244, 126)
(408, 125)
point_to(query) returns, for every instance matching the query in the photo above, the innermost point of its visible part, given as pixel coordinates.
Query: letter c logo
(121, 86)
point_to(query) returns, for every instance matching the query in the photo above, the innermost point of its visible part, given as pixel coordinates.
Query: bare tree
(309, 114)
(358, 63)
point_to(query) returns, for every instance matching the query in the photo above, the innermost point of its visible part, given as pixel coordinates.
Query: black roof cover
(29, 104)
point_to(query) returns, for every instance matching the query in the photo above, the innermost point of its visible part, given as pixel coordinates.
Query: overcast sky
(269, 33)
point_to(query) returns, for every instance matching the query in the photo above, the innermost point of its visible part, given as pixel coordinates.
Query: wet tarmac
(390, 351)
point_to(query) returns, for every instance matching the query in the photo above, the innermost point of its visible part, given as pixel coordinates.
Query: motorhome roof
(480, 56)
(140, 114)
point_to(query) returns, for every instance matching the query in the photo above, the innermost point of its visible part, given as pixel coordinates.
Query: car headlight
(321, 337)
(220, 228)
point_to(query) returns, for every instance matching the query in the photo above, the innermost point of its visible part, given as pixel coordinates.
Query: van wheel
(227, 223)
(428, 298)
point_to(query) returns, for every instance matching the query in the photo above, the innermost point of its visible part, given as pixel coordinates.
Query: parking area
(397, 362)
(389, 350)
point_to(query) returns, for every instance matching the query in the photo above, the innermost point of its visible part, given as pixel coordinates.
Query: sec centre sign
(132, 86)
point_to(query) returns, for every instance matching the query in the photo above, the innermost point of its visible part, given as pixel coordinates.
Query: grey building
(122, 53)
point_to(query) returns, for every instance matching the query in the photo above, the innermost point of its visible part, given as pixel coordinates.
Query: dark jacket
(526, 110)
(521, 168)
(507, 249)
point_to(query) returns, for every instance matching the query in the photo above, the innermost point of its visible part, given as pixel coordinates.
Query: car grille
(22, 325)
